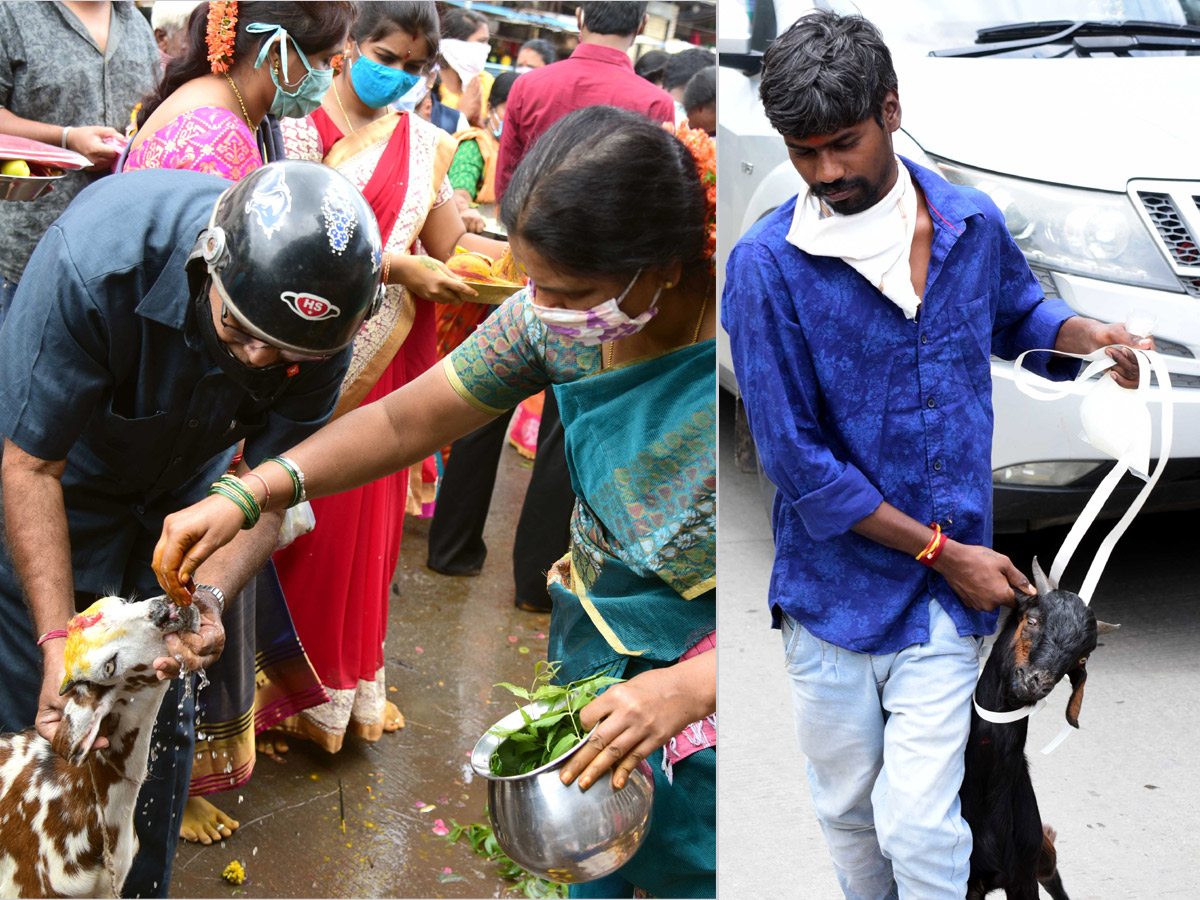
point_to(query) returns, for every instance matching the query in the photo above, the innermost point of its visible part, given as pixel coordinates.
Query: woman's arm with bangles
(362, 446)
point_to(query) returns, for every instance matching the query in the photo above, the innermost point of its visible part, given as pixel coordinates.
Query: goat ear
(80, 724)
(1044, 585)
(1105, 628)
(1078, 677)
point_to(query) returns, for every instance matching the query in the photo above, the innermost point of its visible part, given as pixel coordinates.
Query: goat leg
(1047, 870)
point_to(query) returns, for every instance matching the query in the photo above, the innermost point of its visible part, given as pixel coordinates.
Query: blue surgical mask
(307, 96)
(378, 85)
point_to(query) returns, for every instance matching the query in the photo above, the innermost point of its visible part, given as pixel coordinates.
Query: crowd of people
(232, 355)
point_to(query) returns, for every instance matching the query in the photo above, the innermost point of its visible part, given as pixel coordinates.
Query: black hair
(650, 65)
(500, 88)
(417, 18)
(542, 48)
(683, 65)
(314, 26)
(701, 90)
(825, 73)
(619, 18)
(607, 191)
(460, 24)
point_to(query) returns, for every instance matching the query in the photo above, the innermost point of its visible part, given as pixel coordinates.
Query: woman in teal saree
(609, 218)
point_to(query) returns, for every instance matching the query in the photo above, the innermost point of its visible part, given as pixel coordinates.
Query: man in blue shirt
(163, 318)
(862, 315)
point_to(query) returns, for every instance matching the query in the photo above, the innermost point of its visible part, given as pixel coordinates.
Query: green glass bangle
(298, 493)
(247, 510)
(235, 484)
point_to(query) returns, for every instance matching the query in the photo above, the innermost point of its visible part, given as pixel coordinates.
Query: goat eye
(110, 668)
(1083, 660)
(1032, 620)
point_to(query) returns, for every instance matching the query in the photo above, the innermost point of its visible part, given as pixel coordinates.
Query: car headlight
(1093, 233)
(1044, 474)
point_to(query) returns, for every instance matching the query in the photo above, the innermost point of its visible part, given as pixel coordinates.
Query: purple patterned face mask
(606, 322)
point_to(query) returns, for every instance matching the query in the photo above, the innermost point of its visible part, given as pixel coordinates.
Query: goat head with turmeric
(1048, 636)
(67, 806)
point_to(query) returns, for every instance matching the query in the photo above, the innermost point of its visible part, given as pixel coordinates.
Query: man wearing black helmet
(164, 317)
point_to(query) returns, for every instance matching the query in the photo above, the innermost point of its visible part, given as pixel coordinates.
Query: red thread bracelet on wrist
(933, 549)
(51, 635)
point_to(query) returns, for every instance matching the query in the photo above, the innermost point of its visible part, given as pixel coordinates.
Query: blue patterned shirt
(851, 404)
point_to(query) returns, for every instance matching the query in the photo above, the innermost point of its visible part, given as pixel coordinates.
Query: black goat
(1047, 637)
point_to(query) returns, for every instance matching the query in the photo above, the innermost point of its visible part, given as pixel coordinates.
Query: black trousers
(456, 545)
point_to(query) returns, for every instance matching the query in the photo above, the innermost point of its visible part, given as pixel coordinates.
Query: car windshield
(919, 27)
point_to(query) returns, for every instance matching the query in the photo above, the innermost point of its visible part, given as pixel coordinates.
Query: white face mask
(411, 99)
(606, 322)
(465, 57)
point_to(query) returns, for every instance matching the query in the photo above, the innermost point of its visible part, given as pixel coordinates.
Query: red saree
(336, 579)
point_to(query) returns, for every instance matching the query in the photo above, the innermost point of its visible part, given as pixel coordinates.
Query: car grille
(1173, 211)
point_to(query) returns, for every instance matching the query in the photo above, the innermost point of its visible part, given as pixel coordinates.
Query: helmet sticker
(376, 259)
(340, 220)
(270, 201)
(309, 306)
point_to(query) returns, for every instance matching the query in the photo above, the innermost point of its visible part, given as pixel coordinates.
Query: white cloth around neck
(876, 242)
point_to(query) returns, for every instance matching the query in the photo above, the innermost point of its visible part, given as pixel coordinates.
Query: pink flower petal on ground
(419, 804)
(420, 650)
(439, 828)
(512, 638)
(540, 635)
(447, 870)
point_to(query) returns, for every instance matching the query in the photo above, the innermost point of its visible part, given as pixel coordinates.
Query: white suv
(1084, 132)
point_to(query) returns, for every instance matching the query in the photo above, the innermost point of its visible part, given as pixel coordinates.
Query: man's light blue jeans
(884, 737)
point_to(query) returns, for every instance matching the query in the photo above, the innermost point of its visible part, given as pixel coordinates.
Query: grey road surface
(1123, 792)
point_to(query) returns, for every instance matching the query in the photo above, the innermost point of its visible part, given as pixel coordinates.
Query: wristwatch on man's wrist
(217, 593)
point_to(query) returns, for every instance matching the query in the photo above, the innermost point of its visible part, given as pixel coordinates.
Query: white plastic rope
(1127, 456)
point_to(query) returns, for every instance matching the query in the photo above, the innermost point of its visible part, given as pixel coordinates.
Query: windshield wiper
(1087, 37)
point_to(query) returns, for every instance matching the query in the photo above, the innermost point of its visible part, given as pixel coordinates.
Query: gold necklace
(338, 98)
(695, 332)
(253, 128)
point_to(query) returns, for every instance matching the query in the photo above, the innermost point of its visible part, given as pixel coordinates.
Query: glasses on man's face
(250, 342)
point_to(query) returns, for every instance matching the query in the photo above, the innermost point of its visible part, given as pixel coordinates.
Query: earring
(669, 285)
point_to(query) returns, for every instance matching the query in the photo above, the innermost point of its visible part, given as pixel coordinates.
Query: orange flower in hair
(222, 30)
(704, 151)
(336, 63)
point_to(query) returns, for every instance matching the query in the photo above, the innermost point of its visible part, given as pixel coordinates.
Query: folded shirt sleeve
(782, 396)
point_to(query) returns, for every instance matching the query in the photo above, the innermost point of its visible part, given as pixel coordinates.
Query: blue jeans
(8, 290)
(884, 736)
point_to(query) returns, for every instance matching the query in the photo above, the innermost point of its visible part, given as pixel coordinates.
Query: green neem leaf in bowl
(537, 742)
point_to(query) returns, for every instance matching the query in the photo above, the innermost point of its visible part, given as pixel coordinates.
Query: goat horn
(1105, 628)
(1044, 585)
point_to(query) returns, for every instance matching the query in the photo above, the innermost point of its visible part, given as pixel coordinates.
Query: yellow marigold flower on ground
(235, 873)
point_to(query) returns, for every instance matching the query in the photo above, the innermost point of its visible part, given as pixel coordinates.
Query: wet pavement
(449, 640)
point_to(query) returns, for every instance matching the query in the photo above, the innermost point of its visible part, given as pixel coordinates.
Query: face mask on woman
(308, 94)
(378, 85)
(467, 58)
(606, 322)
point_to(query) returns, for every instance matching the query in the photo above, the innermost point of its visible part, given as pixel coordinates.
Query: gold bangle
(387, 266)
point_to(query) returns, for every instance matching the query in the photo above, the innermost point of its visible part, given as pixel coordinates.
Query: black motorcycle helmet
(295, 253)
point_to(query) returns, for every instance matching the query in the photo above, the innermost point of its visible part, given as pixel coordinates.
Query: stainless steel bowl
(26, 187)
(557, 831)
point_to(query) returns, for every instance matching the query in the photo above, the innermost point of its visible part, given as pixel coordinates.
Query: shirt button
(140, 510)
(937, 465)
(931, 403)
(193, 423)
(924, 339)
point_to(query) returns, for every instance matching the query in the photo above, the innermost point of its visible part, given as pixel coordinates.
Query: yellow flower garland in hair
(222, 30)
(704, 151)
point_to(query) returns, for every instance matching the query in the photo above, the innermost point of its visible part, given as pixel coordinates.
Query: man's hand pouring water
(191, 651)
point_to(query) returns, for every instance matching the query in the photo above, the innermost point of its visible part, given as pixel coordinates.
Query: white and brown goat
(66, 810)
(1048, 637)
